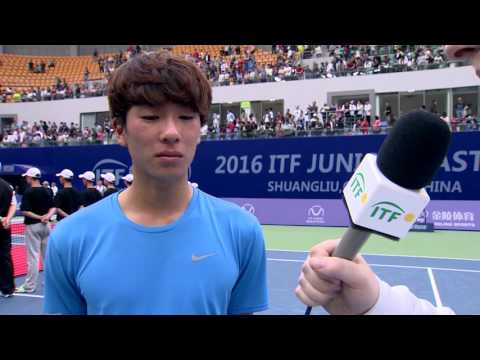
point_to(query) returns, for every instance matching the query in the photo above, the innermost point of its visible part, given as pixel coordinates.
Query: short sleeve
(62, 296)
(250, 293)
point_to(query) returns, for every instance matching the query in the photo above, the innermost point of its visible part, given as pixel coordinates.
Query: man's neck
(35, 185)
(152, 202)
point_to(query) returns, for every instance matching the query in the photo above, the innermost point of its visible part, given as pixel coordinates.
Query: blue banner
(295, 168)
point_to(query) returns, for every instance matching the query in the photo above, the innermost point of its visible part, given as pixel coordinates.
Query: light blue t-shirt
(211, 260)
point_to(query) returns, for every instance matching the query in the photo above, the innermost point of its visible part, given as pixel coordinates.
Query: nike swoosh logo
(199, 258)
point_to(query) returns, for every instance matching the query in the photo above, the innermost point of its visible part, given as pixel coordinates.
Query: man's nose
(170, 132)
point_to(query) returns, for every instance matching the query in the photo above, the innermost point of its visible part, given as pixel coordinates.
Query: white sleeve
(399, 300)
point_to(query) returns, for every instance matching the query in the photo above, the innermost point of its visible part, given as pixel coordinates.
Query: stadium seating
(14, 70)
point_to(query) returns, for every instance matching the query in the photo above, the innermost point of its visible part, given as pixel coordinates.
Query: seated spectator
(377, 125)
(17, 96)
(364, 126)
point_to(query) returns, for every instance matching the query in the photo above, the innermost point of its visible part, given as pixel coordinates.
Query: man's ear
(120, 131)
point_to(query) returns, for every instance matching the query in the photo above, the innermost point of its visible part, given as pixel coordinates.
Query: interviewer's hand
(341, 286)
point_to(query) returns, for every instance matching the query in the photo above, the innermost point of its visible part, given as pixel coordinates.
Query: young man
(160, 246)
(128, 180)
(351, 287)
(90, 195)
(109, 181)
(8, 205)
(67, 200)
(37, 207)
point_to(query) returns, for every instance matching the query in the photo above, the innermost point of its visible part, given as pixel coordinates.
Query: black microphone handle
(350, 244)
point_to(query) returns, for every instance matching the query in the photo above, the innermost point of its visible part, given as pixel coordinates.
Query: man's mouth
(169, 154)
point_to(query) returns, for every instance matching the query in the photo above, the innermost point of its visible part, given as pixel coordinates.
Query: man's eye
(186, 117)
(149, 117)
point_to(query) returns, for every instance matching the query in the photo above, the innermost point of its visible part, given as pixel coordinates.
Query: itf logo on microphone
(389, 211)
(316, 215)
(358, 187)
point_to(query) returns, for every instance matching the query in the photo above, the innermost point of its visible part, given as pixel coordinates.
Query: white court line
(408, 256)
(29, 295)
(393, 266)
(436, 294)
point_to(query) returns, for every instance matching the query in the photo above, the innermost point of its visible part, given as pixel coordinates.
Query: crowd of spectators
(60, 91)
(355, 60)
(353, 117)
(239, 66)
(108, 63)
(48, 133)
(235, 65)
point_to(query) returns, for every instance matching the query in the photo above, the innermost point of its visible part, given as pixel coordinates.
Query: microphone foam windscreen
(414, 149)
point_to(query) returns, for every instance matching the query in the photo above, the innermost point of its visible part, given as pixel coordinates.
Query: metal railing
(252, 134)
(316, 132)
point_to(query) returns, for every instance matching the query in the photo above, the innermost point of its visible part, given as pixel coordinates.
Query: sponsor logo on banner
(389, 211)
(249, 207)
(118, 168)
(446, 218)
(316, 215)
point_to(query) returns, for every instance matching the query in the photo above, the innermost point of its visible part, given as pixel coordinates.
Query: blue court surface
(452, 282)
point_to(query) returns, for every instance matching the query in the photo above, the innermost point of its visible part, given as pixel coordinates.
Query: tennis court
(442, 267)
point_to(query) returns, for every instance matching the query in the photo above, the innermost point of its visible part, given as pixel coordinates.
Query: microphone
(386, 194)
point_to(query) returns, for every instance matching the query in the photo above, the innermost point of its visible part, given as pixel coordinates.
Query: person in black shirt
(108, 181)
(37, 207)
(67, 200)
(8, 206)
(90, 195)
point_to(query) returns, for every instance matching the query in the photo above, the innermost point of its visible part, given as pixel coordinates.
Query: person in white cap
(67, 200)
(128, 180)
(37, 208)
(344, 287)
(90, 195)
(109, 181)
